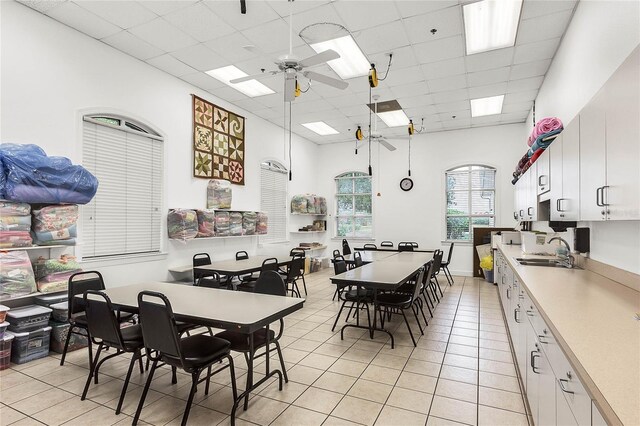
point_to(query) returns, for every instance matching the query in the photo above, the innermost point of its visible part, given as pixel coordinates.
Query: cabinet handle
(598, 197)
(530, 312)
(533, 357)
(562, 388)
(540, 339)
(602, 195)
(515, 315)
(558, 205)
(540, 180)
(515, 215)
(509, 293)
(529, 211)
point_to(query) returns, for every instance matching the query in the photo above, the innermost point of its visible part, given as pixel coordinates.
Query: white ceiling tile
(433, 126)
(453, 106)
(355, 110)
(417, 113)
(489, 60)
(272, 37)
(229, 94)
(415, 101)
(409, 90)
(171, 65)
(273, 100)
(446, 68)
(456, 124)
(536, 51)
(447, 83)
(324, 13)
(534, 8)
(382, 39)
(412, 7)
(517, 107)
(451, 96)
(230, 47)
(258, 12)
(512, 98)
(446, 22)
(267, 113)
(486, 119)
(543, 27)
(365, 14)
(345, 101)
(283, 7)
(125, 14)
(403, 57)
(488, 90)
(313, 106)
(530, 69)
(525, 84)
(132, 45)
(439, 50)
(515, 117)
(404, 76)
(493, 76)
(199, 22)
(42, 6)
(202, 80)
(328, 92)
(200, 57)
(162, 7)
(455, 115)
(82, 20)
(163, 35)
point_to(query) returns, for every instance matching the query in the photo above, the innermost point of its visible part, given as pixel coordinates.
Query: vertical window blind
(273, 201)
(124, 218)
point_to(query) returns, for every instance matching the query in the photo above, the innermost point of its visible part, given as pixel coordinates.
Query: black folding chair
(404, 246)
(295, 272)
(269, 264)
(445, 266)
(357, 259)
(199, 259)
(359, 298)
(386, 244)
(370, 247)
(345, 247)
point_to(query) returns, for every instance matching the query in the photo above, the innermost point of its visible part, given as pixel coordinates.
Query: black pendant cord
(290, 175)
(409, 156)
(534, 113)
(370, 170)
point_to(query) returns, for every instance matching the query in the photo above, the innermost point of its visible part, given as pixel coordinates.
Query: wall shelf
(216, 238)
(35, 247)
(316, 248)
(307, 232)
(308, 214)
(26, 296)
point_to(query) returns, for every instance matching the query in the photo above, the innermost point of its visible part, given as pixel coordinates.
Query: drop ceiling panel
(409, 90)
(543, 27)
(493, 76)
(447, 23)
(447, 83)
(365, 14)
(162, 7)
(231, 48)
(200, 57)
(126, 15)
(403, 57)
(81, 19)
(323, 13)
(132, 45)
(383, 39)
(258, 12)
(199, 22)
(282, 7)
(439, 50)
(452, 106)
(512, 98)
(42, 6)
(272, 37)
(404, 76)
(489, 60)
(168, 63)
(163, 35)
(416, 101)
(525, 84)
(412, 7)
(445, 68)
(204, 81)
(517, 107)
(530, 69)
(487, 91)
(450, 96)
(532, 9)
(536, 51)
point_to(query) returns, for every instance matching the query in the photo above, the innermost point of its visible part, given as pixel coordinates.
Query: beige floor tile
(24, 390)
(131, 400)
(262, 410)
(381, 374)
(39, 367)
(461, 361)
(64, 374)
(457, 390)
(8, 415)
(495, 355)
(163, 410)
(410, 400)
(358, 355)
(200, 416)
(289, 354)
(453, 409)
(465, 350)
(331, 350)
(357, 410)
(11, 378)
(501, 399)
(290, 391)
(299, 416)
(423, 367)
(489, 416)
(392, 416)
(439, 337)
(335, 382)
(337, 340)
(99, 415)
(432, 345)
(437, 421)
(366, 344)
(349, 368)
(427, 355)
(336, 421)
(42, 401)
(466, 332)
(499, 381)
(390, 361)
(304, 345)
(497, 367)
(462, 340)
(372, 391)
(417, 382)
(398, 351)
(317, 399)
(319, 361)
(72, 408)
(494, 344)
(501, 337)
(303, 374)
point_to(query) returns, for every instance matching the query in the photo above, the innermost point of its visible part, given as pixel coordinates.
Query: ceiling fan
(374, 135)
(290, 65)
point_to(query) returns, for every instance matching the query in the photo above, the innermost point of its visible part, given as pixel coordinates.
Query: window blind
(125, 215)
(273, 201)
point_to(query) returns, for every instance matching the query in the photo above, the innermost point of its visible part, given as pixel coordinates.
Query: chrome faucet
(569, 260)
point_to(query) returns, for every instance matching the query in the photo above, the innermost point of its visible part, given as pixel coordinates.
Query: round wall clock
(406, 184)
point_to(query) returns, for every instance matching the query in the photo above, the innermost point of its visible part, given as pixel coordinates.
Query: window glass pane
(457, 228)
(345, 227)
(344, 186)
(483, 179)
(458, 202)
(363, 185)
(482, 221)
(482, 202)
(108, 120)
(345, 205)
(457, 181)
(363, 204)
(363, 227)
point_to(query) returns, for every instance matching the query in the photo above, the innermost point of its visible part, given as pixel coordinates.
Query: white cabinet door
(564, 416)
(521, 197)
(532, 193)
(596, 417)
(555, 169)
(532, 376)
(570, 201)
(543, 183)
(547, 390)
(592, 158)
(622, 192)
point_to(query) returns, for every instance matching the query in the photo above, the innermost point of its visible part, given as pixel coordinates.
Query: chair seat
(132, 337)
(125, 316)
(183, 327)
(444, 263)
(79, 320)
(355, 295)
(240, 341)
(199, 351)
(394, 299)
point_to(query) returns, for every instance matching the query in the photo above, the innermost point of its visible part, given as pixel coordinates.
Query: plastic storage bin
(3, 328)
(5, 351)
(50, 299)
(60, 311)
(59, 333)
(3, 312)
(29, 346)
(28, 318)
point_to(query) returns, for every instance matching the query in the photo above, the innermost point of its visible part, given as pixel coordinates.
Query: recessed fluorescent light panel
(491, 24)
(486, 106)
(321, 128)
(251, 88)
(394, 118)
(351, 63)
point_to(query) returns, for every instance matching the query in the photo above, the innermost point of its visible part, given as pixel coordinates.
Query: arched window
(353, 205)
(125, 217)
(273, 200)
(471, 194)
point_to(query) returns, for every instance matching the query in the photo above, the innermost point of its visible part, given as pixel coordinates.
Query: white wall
(51, 74)
(418, 215)
(600, 37)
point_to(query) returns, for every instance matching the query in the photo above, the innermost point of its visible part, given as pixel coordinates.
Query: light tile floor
(461, 372)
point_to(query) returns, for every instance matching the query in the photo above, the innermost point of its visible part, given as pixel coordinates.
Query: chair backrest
(437, 261)
(336, 254)
(450, 253)
(299, 251)
(414, 244)
(386, 244)
(345, 247)
(270, 282)
(201, 259)
(296, 267)
(209, 280)
(357, 259)
(370, 247)
(242, 255)
(418, 280)
(101, 318)
(404, 246)
(158, 324)
(269, 264)
(339, 265)
(78, 284)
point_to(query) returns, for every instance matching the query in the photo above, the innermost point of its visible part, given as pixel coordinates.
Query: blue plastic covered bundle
(33, 177)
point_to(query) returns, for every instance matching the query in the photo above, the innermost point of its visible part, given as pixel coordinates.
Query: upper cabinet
(565, 172)
(543, 172)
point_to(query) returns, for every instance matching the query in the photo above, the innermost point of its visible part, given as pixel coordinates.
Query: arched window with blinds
(273, 200)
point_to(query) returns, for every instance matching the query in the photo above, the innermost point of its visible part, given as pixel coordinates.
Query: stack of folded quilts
(53, 274)
(235, 223)
(262, 222)
(249, 223)
(55, 225)
(15, 224)
(16, 274)
(222, 224)
(182, 224)
(206, 223)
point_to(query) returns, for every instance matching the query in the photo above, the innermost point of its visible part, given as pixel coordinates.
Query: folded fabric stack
(53, 274)
(16, 274)
(308, 204)
(311, 203)
(299, 204)
(219, 194)
(206, 223)
(249, 223)
(53, 225)
(33, 177)
(543, 127)
(235, 223)
(323, 205)
(15, 223)
(543, 133)
(262, 222)
(222, 224)
(543, 141)
(182, 224)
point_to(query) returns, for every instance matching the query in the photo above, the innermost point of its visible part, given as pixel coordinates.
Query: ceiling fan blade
(253, 49)
(253, 77)
(329, 81)
(289, 89)
(320, 58)
(386, 144)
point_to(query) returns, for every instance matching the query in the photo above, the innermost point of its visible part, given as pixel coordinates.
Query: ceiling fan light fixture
(490, 24)
(251, 88)
(321, 128)
(486, 106)
(352, 62)
(394, 118)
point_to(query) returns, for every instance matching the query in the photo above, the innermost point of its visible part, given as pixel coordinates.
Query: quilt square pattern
(218, 142)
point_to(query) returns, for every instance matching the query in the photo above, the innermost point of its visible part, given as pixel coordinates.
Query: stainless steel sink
(549, 263)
